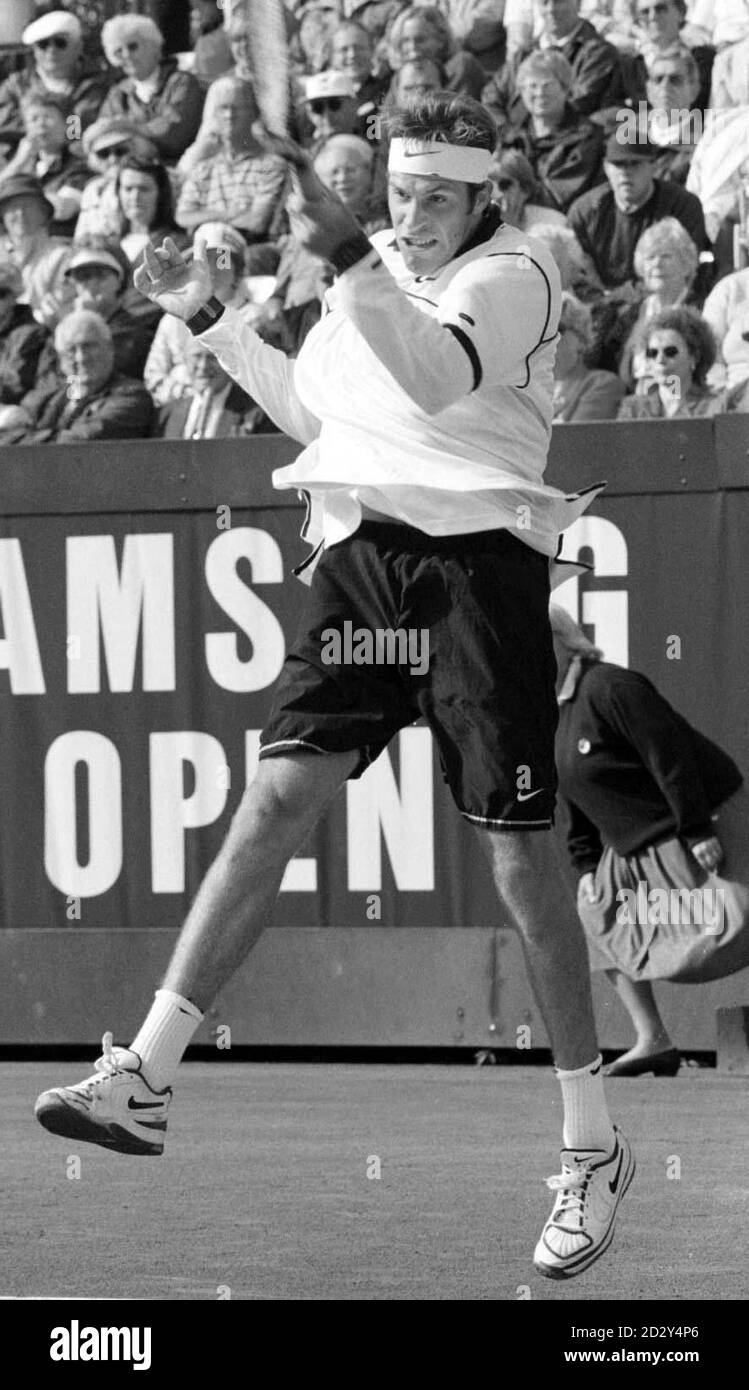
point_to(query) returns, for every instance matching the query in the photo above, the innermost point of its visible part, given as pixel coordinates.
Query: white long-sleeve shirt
(428, 399)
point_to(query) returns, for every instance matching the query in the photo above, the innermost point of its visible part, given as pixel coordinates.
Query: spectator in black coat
(352, 52)
(595, 63)
(609, 220)
(94, 403)
(654, 809)
(564, 149)
(164, 102)
(21, 339)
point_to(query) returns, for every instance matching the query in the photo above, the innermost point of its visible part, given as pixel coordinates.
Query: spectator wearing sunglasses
(57, 66)
(674, 120)
(660, 27)
(679, 349)
(106, 146)
(330, 105)
(164, 102)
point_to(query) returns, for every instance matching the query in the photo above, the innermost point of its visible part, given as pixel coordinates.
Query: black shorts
(452, 629)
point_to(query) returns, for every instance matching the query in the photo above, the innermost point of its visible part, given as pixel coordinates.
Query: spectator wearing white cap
(225, 251)
(57, 66)
(46, 153)
(164, 102)
(330, 107)
(21, 339)
(100, 274)
(241, 184)
(42, 259)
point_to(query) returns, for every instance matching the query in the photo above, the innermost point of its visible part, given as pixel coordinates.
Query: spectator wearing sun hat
(46, 153)
(58, 67)
(330, 107)
(21, 338)
(42, 259)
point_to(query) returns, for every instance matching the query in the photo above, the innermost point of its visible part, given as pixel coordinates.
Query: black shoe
(659, 1063)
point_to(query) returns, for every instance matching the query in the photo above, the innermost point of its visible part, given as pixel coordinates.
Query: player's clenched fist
(178, 286)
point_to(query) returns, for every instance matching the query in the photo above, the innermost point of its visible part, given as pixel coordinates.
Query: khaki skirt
(662, 917)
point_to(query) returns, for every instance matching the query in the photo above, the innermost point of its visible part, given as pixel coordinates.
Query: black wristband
(350, 252)
(207, 315)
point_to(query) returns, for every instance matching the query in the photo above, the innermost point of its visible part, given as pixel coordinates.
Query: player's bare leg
(123, 1106)
(597, 1163)
(235, 900)
(653, 1049)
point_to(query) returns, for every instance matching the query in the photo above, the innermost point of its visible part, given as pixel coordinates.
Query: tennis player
(424, 399)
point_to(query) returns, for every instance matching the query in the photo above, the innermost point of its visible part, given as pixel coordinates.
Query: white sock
(164, 1036)
(587, 1124)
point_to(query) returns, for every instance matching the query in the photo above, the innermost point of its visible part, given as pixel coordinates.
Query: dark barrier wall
(145, 608)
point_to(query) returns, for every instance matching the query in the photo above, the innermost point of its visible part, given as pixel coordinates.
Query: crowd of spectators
(623, 144)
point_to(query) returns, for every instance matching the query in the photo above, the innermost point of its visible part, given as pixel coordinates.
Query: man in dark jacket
(596, 66)
(94, 403)
(56, 41)
(21, 338)
(609, 220)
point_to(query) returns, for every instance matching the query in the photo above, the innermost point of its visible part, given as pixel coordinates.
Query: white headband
(464, 163)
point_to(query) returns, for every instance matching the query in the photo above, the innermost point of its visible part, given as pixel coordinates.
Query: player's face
(431, 218)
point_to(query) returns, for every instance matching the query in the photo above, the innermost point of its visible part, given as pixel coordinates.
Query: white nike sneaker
(115, 1107)
(581, 1226)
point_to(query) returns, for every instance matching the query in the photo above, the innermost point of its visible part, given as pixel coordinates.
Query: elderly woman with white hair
(665, 263)
(580, 392)
(657, 834)
(164, 102)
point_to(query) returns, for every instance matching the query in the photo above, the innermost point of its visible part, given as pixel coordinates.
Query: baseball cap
(624, 152)
(92, 256)
(58, 22)
(328, 84)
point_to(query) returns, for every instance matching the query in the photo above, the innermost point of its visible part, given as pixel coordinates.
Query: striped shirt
(251, 182)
